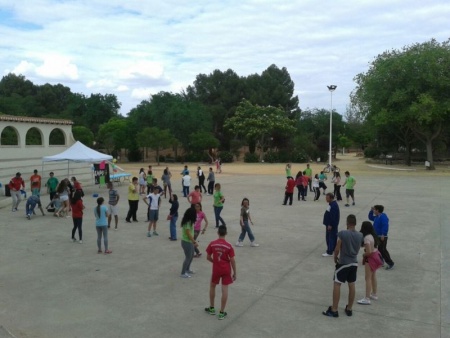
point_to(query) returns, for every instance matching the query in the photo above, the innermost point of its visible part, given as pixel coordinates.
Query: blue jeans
(102, 230)
(217, 211)
(246, 230)
(331, 239)
(30, 207)
(173, 227)
(185, 190)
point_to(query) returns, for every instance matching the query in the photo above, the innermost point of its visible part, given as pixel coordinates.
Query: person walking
(349, 184)
(101, 225)
(316, 187)
(346, 260)
(331, 219)
(15, 185)
(221, 254)
(372, 261)
(381, 226)
(245, 218)
(173, 215)
(201, 179)
(201, 216)
(35, 183)
(219, 200)
(133, 200)
(113, 205)
(188, 242)
(77, 215)
(336, 180)
(211, 180)
(289, 190)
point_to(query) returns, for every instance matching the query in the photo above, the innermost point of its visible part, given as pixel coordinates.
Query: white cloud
(54, 67)
(141, 93)
(142, 69)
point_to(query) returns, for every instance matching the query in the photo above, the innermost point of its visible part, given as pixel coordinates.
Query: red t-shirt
(16, 183)
(221, 252)
(305, 181)
(290, 186)
(77, 209)
(195, 197)
(35, 181)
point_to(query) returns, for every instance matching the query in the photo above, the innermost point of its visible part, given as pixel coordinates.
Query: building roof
(42, 120)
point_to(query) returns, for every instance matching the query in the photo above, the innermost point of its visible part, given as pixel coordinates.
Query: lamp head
(331, 88)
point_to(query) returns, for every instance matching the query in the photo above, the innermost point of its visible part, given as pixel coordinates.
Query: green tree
(155, 139)
(84, 135)
(114, 135)
(203, 141)
(259, 124)
(100, 109)
(408, 87)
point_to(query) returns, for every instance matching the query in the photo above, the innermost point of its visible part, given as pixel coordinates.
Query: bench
(120, 177)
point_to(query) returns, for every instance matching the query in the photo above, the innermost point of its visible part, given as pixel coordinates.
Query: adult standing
(299, 184)
(173, 213)
(187, 241)
(77, 186)
(211, 180)
(349, 184)
(195, 196)
(52, 184)
(165, 178)
(35, 183)
(201, 179)
(308, 173)
(331, 219)
(15, 185)
(381, 226)
(219, 200)
(346, 259)
(133, 200)
(336, 180)
(113, 206)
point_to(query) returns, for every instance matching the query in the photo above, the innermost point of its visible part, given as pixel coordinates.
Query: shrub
(162, 158)
(197, 157)
(226, 156)
(271, 157)
(299, 156)
(371, 152)
(251, 158)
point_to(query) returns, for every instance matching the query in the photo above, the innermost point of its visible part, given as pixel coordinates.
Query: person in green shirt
(188, 242)
(52, 184)
(349, 184)
(219, 199)
(308, 173)
(288, 170)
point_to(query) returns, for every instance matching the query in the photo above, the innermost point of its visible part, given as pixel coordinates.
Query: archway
(33, 137)
(9, 137)
(57, 137)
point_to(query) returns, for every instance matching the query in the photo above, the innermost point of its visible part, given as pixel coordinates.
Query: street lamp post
(331, 88)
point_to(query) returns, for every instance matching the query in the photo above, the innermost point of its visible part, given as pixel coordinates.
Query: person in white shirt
(186, 184)
(153, 200)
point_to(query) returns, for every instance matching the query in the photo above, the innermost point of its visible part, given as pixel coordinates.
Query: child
(154, 201)
(221, 255)
(245, 228)
(195, 196)
(77, 215)
(188, 242)
(101, 225)
(322, 179)
(32, 201)
(219, 200)
(305, 185)
(173, 214)
(289, 192)
(299, 184)
(198, 225)
(316, 187)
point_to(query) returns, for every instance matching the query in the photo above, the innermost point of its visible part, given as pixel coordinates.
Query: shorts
(350, 192)
(345, 273)
(113, 210)
(221, 275)
(64, 198)
(153, 215)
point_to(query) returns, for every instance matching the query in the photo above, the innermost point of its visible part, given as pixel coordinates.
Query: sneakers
(210, 310)
(347, 205)
(239, 244)
(127, 221)
(364, 301)
(190, 272)
(155, 233)
(373, 296)
(326, 255)
(185, 275)
(149, 234)
(74, 240)
(348, 312)
(353, 203)
(14, 210)
(331, 313)
(222, 315)
(81, 242)
(390, 266)
(253, 244)
(29, 216)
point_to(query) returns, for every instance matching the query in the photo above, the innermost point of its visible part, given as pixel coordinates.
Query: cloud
(142, 69)
(54, 67)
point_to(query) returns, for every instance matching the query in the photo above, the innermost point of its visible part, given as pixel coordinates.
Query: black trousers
(211, 187)
(337, 192)
(288, 196)
(201, 183)
(132, 210)
(383, 251)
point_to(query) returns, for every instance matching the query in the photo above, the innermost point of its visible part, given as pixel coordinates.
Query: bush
(284, 156)
(197, 157)
(371, 152)
(299, 156)
(271, 157)
(162, 158)
(226, 156)
(251, 158)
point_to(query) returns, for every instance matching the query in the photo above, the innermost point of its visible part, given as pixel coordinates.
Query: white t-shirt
(153, 201)
(370, 240)
(315, 183)
(186, 180)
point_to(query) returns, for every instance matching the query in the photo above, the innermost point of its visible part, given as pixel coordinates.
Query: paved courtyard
(51, 287)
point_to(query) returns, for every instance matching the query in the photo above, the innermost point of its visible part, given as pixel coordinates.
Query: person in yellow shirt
(133, 200)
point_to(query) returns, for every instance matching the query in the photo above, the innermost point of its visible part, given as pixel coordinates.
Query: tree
(410, 88)
(115, 135)
(259, 124)
(155, 139)
(84, 135)
(203, 140)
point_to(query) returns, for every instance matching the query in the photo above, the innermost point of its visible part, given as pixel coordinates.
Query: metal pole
(331, 88)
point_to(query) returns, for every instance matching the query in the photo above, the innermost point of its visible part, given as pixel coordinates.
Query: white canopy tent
(77, 153)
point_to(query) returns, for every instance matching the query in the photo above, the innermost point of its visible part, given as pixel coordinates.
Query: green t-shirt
(52, 183)
(149, 179)
(217, 197)
(184, 236)
(350, 183)
(288, 172)
(308, 172)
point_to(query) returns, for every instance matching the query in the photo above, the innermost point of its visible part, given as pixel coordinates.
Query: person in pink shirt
(195, 197)
(198, 226)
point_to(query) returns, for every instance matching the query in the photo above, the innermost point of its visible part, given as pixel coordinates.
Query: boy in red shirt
(290, 186)
(15, 185)
(221, 254)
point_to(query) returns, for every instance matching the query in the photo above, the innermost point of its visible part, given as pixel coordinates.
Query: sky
(136, 48)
